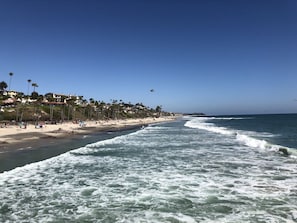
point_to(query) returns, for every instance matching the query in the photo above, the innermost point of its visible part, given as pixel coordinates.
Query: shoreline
(30, 145)
(14, 137)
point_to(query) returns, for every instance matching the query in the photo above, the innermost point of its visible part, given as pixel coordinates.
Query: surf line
(241, 137)
(257, 143)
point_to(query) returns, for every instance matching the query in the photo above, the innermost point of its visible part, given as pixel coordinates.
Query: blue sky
(211, 56)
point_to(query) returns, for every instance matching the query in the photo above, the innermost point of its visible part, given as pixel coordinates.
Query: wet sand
(15, 136)
(19, 147)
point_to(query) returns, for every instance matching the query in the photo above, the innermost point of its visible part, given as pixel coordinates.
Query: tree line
(34, 107)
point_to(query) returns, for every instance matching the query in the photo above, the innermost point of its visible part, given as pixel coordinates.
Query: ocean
(195, 169)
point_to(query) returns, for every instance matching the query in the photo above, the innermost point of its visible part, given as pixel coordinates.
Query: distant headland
(196, 114)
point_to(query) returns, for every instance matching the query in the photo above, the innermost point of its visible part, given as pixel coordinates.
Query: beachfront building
(55, 107)
(11, 98)
(8, 102)
(63, 98)
(52, 98)
(60, 98)
(76, 100)
(12, 94)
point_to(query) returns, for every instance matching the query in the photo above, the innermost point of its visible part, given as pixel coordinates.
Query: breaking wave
(248, 138)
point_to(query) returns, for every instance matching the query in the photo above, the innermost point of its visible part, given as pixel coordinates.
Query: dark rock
(284, 151)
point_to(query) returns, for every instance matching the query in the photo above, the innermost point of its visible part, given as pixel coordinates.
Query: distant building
(11, 94)
(8, 102)
(60, 98)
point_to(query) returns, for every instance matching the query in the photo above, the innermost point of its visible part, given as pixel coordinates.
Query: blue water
(214, 169)
(282, 127)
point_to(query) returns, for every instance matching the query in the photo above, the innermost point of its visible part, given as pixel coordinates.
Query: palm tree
(34, 85)
(159, 110)
(29, 81)
(10, 76)
(3, 86)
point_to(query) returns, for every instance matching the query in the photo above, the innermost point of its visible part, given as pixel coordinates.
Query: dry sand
(14, 135)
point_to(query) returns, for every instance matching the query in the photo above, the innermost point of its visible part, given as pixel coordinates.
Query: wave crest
(244, 137)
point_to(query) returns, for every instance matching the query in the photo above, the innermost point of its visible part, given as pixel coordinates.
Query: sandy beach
(13, 136)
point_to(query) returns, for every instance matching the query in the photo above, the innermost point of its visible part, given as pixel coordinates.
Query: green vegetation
(18, 107)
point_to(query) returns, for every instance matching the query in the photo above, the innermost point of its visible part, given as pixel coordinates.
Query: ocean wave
(248, 138)
(216, 118)
(201, 123)
(185, 182)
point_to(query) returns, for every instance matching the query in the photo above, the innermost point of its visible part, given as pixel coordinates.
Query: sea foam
(248, 138)
(158, 174)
